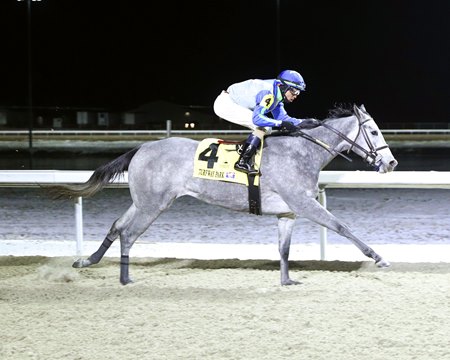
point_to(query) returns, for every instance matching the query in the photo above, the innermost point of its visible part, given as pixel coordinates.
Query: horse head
(357, 131)
(369, 142)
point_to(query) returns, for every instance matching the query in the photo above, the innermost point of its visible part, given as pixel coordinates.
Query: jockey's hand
(287, 126)
(309, 124)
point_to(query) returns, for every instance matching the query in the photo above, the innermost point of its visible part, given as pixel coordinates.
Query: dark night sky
(393, 56)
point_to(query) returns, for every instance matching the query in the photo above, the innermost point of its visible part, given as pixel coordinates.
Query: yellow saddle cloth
(215, 159)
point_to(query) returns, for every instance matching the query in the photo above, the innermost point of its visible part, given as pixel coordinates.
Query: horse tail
(101, 177)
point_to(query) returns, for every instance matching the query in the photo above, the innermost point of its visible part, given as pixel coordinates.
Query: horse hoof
(383, 263)
(126, 281)
(80, 263)
(290, 282)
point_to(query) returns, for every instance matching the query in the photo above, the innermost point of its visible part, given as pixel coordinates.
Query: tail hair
(101, 177)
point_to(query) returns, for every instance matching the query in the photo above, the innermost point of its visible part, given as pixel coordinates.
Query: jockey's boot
(245, 162)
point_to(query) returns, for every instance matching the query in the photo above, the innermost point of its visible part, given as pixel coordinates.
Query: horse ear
(359, 110)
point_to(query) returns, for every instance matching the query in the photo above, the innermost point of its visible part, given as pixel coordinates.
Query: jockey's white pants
(227, 109)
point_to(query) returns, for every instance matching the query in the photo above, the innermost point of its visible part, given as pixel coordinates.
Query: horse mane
(340, 110)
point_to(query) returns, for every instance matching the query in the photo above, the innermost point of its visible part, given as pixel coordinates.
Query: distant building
(17, 117)
(150, 116)
(154, 116)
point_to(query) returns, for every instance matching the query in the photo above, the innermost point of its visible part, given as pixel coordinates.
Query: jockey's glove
(309, 124)
(287, 126)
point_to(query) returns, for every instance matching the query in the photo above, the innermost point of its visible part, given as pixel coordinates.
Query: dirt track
(192, 309)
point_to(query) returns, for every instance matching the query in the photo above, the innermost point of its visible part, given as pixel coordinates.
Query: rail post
(169, 128)
(323, 229)
(79, 224)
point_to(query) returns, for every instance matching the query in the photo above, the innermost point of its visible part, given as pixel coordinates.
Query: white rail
(56, 133)
(126, 133)
(327, 179)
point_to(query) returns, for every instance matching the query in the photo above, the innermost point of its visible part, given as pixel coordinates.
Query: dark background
(393, 56)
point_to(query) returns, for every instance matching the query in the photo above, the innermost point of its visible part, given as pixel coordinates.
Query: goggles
(294, 91)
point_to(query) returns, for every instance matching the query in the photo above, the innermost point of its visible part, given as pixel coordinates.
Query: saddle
(215, 159)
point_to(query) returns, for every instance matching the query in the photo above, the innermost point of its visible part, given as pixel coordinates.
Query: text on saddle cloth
(215, 159)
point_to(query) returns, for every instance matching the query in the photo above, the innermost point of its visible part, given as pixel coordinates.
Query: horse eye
(374, 132)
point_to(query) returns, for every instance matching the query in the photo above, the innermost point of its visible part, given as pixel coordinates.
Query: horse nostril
(393, 163)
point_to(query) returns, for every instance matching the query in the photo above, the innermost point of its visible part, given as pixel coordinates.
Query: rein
(321, 143)
(368, 154)
(373, 153)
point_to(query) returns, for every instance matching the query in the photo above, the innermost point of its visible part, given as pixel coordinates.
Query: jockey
(259, 105)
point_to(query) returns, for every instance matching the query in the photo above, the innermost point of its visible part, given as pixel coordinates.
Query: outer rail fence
(55, 134)
(169, 131)
(327, 179)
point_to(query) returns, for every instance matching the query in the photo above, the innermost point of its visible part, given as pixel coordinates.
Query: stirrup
(248, 169)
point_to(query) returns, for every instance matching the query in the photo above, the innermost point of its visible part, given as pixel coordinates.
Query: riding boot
(245, 162)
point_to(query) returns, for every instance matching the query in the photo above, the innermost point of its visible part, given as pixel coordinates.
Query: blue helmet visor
(291, 84)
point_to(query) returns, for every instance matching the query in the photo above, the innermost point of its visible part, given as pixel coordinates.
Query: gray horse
(161, 171)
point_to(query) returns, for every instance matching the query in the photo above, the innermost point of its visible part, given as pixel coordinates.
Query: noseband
(373, 153)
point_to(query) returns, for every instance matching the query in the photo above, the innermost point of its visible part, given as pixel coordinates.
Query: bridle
(372, 157)
(373, 153)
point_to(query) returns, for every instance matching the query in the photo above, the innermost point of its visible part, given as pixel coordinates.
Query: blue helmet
(292, 79)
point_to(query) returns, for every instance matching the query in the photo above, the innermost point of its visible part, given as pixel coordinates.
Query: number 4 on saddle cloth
(215, 159)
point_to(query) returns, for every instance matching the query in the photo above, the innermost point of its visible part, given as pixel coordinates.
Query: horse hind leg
(134, 228)
(112, 235)
(98, 255)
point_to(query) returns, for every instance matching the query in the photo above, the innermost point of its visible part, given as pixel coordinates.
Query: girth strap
(254, 196)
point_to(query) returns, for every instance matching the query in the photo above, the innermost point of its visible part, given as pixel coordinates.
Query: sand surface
(223, 309)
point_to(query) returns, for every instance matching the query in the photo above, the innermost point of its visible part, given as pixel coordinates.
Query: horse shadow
(307, 265)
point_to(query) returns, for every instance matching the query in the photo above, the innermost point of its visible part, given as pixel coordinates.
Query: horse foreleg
(98, 255)
(365, 249)
(285, 226)
(322, 216)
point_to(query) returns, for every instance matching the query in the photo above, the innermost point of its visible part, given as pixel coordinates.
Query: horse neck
(348, 126)
(311, 155)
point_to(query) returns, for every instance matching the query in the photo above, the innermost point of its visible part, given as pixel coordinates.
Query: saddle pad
(214, 160)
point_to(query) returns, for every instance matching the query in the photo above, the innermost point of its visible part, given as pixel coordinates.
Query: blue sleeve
(280, 113)
(261, 119)
(264, 101)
